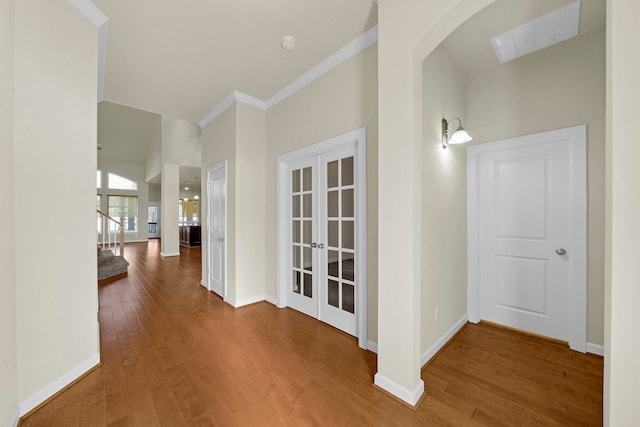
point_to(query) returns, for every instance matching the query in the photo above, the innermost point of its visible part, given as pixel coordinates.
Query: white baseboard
(271, 300)
(58, 384)
(372, 346)
(168, 254)
(203, 283)
(411, 397)
(16, 418)
(595, 349)
(440, 342)
(245, 301)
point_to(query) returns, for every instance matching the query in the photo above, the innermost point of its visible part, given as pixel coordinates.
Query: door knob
(314, 245)
(561, 251)
(320, 245)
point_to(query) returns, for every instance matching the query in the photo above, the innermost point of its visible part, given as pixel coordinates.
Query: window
(187, 211)
(99, 217)
(125, 207)
(117, 182)
(98, 179)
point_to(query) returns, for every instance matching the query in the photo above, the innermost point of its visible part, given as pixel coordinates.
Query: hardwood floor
(173, 354)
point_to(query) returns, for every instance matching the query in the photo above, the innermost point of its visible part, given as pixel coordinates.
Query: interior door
(525, 237)
(217, 229)
(154, 220)
(322, 240)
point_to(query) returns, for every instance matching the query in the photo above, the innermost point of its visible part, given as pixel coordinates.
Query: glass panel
(332, 263)
(295, 251)
(308, 289)
(307, 258)
(306, 179)
(347, 171)
(98, 179)
(347, 298)
(347, 234)
(125, 207)
(306, 232)
(295, 232)
(307, 206)
(332, 174)
(332, 293)
(332, 234)
(118, 182)
(347, 266)
(332, 204)
(295, 206)
(295, 180)
(295, 284)
(347, 203)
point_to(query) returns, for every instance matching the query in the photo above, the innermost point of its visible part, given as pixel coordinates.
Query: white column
(170, 245)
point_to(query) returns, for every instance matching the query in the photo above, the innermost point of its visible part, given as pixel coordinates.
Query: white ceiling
(470, 45)
(182, 58)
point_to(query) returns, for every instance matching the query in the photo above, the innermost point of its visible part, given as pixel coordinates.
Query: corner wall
(55, 123)
(8, 339)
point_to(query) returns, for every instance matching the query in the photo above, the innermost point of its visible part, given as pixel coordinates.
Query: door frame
(210, 170)
(577, 137)
(357, 138)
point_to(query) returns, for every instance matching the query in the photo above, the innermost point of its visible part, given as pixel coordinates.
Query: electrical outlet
(437, 312)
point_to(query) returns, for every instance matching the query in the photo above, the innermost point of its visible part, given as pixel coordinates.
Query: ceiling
(470, 45)
(182, 58)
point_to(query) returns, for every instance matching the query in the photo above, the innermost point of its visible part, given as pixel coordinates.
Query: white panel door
(216, 229)
(525, 236)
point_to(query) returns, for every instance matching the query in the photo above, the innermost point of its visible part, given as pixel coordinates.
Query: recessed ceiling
(182, 58)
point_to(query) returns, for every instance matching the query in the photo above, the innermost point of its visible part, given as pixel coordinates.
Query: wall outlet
(437, 312)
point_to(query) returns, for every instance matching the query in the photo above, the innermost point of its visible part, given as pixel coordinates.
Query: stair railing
(112, 237)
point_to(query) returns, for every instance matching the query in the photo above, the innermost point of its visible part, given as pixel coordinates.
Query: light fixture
(459, 136)
(288, 43)
(196, 197)
(186, 199)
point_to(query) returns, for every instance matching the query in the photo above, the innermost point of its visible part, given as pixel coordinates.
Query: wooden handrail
(120, 224)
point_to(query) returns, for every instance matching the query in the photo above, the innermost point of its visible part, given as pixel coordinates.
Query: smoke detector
(288, 43)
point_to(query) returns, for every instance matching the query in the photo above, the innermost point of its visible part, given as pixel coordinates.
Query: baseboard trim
(16, 418)
(372, 346)
(203, 283)
(404, 394)
(169, 254)
(596, 349)
(442, 341)
(271, 300)
(58, 385)
(247, 301)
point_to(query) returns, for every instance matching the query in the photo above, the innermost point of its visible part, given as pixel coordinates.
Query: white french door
(323, 237)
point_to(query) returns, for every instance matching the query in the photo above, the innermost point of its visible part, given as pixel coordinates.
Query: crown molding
(100, 21)
(353, 48)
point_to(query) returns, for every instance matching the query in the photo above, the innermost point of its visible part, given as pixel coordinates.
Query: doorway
(153, 219)
(217, 227)
(322, 232)
(527, 234)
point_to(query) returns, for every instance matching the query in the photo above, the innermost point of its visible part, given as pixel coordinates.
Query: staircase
(111, 262)
(110, 265)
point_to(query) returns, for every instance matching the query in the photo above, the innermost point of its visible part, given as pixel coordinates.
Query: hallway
(173, 354)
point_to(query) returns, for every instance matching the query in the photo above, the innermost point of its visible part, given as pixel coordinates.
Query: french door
(322, 241)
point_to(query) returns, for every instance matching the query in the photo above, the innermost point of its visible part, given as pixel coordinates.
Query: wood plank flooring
(173, 354)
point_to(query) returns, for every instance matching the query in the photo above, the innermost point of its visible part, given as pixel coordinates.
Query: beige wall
(169, 229)
(154, 193)
(622, 345)
(554, 88)
(219, 144)
(8, 341)
(444, 200)
(55, 124)
(343, 100)
(135, 173)
(153, 163)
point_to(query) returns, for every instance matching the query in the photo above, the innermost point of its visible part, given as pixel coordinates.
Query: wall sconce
(460, 136)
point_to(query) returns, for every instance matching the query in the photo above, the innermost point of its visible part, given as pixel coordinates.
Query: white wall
(55, 127)
(169, 239)
(154, 193)
(8, 340)
(153, 163)
(444, 200)
(342, 100)
(180, 139)
(135, 173)
(554, 88)
(622, 343)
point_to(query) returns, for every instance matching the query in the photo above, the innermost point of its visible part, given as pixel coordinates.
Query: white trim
(372, 346)
(246, 301)
(595, 349)
(58, 384)
(442, 341)
(90, 11)
(271, 300)
(205, 284)
(169, 254)
(359, 138)
(352, 48)
(220, 165)
(16, 418)
(411, 397)
(577, 135)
